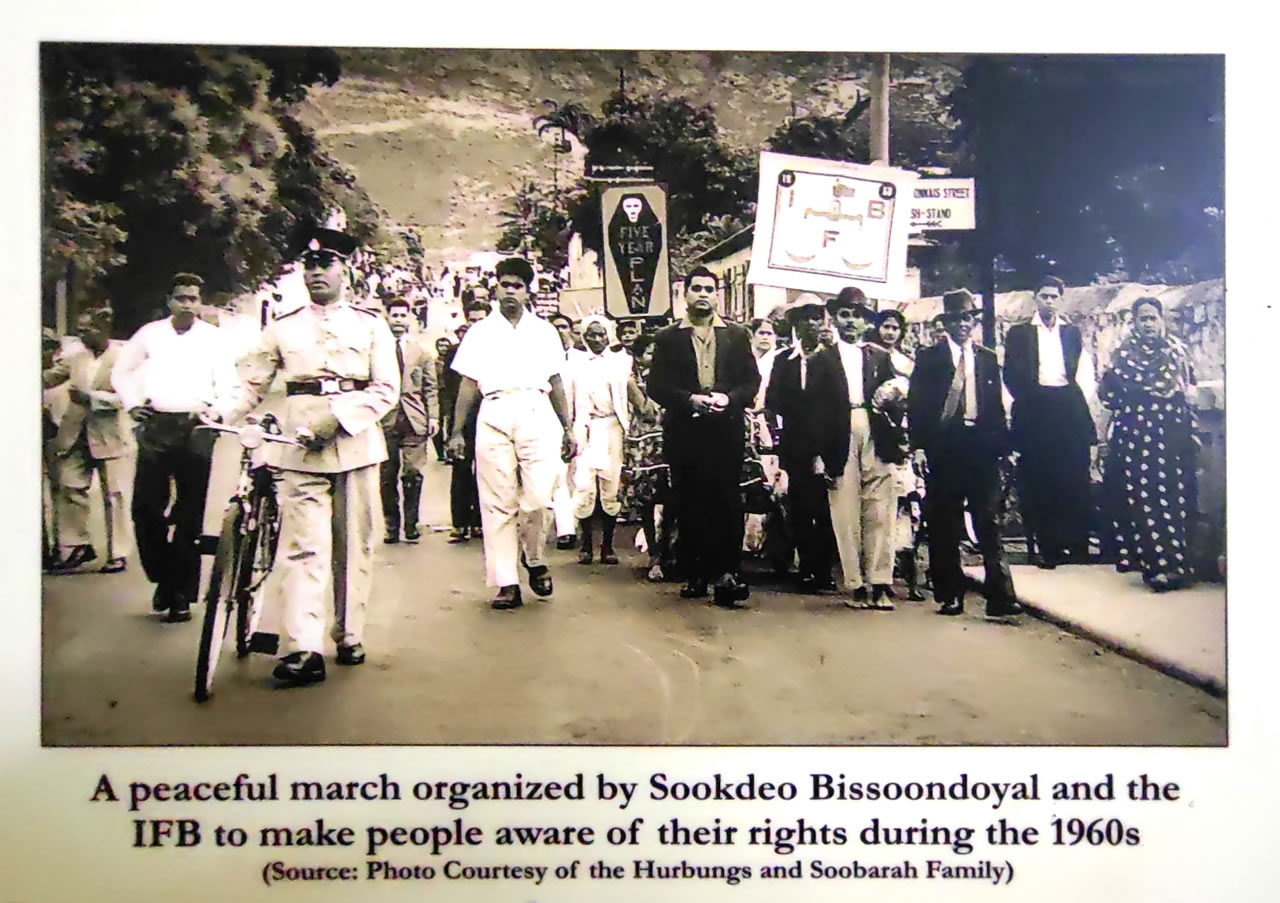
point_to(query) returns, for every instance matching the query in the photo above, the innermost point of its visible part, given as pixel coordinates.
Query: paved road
(609, 659)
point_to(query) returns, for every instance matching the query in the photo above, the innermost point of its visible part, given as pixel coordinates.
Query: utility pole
(880, 109)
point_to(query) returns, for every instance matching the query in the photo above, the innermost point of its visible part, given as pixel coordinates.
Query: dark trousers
(464, 496)
(706, 470)
(809, 512)
(171, 452)
(962, 470)
(1054, 494)
(396, 469)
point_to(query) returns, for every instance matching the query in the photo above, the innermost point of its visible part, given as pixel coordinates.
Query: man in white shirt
(511, 364)
(955, 409)
(1050, 375)
(171, 371)
(600, 422)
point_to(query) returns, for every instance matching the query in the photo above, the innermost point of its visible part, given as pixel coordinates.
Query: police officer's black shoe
(299, 668)
(351, 655)
(540, 580)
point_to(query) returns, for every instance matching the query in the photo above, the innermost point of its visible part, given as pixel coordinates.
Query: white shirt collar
(957, 348)
(1057, 321)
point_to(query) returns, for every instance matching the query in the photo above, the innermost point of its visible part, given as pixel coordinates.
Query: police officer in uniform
(338, 363)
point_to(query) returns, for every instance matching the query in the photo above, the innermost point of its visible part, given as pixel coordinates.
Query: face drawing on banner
(635, 241)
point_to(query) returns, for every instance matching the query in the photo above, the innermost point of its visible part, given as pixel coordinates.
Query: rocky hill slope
(439, 138)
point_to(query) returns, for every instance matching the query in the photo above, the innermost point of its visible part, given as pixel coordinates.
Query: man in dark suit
(1049, 373)
(956, 415)
(408, 426)
(705, 376)
(801, 385)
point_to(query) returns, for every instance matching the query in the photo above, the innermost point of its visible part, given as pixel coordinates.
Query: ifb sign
(637, 281)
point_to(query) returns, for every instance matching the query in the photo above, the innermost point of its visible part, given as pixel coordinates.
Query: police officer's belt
(332, 386)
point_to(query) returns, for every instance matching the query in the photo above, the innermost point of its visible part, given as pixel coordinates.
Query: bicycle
(246, 550)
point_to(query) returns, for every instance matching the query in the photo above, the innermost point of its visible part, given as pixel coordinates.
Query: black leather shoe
(411, 534)
(508, 597)
(77, 557)
(566, 542)
(694, 589)
(298, 668)
(731, 593)
(1003, 610)
(351, 655)
(391, 539)
(540, 580)
(952, 607)
(179, 610)
(161, 599)
(608, 556)
(459, 536)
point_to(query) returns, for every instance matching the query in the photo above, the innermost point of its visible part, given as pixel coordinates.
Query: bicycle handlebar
(251, 435)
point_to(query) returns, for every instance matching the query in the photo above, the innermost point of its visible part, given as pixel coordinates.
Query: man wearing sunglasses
(705, 376)
(338, 363)
(510, 363)
(955, 408)
(1050, 375)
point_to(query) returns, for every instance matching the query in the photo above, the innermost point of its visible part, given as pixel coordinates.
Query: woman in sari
(644, 470)
(1151, 456)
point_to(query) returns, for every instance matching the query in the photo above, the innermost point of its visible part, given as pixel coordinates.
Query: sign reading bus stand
(943, 204)
(637, 281)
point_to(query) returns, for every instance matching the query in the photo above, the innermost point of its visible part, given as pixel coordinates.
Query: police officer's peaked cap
(331, 240)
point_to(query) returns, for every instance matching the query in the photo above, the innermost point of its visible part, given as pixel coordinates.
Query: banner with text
(822, 225)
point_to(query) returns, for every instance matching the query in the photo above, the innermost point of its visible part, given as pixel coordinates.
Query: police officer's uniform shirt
(333, 341)
(501, 357)
(175, 372)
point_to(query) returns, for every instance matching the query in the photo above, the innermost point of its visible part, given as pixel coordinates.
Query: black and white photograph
(430, 396)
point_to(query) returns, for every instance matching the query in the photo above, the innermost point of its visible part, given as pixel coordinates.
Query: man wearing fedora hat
(338, 363)
(955, 408)
(861, 483)
(801, 383)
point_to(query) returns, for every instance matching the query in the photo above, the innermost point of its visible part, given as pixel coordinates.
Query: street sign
(637, 280)
(943, 204)
(822, 225)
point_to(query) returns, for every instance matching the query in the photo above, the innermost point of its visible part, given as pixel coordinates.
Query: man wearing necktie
(955, 409)
(409, 426)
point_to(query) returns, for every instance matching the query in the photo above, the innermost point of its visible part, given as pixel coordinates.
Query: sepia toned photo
(583, 397)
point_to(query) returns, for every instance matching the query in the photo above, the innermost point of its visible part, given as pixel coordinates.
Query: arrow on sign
(930, 224)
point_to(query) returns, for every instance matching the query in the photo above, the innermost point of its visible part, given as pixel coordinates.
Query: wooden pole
(880, 109)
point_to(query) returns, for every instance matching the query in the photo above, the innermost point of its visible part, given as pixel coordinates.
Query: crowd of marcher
(810, 439)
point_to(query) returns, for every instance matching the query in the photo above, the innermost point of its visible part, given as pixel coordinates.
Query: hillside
(439, 137)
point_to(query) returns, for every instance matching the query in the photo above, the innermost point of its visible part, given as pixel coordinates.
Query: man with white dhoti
(510, 364)
(600, 420)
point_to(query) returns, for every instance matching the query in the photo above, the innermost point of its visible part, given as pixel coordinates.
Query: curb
(1207, 682)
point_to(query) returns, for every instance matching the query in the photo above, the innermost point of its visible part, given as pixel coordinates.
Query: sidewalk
(1181, 633)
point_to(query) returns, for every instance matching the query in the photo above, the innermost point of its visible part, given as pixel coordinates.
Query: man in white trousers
(511, 365)
(341, 379)
(862, 495)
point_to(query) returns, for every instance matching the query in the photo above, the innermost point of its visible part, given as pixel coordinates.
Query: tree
(1092, 166)
(168, 158)
(533, 226)
(573, 119)
(703, 175)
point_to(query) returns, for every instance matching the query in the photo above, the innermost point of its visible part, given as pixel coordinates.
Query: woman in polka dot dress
(1152, 452)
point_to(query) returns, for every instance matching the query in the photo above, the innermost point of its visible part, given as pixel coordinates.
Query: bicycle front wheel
(219, 601)
(259, 554)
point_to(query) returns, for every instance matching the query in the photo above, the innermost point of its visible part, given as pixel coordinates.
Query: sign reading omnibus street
(822, 225)
(943, 204)
(637, 280)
